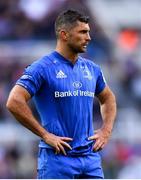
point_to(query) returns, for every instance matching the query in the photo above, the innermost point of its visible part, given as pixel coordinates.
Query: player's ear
(64, 35)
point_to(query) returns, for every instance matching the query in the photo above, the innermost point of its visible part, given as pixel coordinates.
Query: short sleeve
(100, 83)
(32, 78)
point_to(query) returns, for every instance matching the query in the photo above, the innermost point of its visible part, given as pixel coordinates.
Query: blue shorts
(52, 166)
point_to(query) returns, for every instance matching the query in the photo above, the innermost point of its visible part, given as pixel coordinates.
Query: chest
(64, 78)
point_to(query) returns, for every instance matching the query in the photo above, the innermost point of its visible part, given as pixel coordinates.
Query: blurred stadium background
(27, 33)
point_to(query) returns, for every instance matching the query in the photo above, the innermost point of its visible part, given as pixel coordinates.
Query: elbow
(16, 99)
(114, 98)
(10, 104)
(13, 103)
(111, 99)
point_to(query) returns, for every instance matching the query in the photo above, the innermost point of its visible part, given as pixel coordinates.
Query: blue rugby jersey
(64, 95)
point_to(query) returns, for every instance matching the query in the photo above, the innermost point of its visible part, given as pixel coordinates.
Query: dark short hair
(68, 19)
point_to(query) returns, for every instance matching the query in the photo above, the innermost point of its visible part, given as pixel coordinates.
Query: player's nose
(88, 37)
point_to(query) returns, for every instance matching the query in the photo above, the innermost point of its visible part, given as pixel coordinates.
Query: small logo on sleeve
(26, 76)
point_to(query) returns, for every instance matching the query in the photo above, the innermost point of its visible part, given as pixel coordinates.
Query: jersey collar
(63, 59)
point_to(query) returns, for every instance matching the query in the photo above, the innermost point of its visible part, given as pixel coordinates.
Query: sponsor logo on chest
(77, 92)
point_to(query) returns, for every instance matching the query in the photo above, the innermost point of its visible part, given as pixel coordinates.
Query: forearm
(108, 112)
(23, 114)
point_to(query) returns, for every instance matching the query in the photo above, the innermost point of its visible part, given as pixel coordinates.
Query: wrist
(44, 135)
(107, 129)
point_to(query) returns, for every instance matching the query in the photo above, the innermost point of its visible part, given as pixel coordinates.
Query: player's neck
(67, 53)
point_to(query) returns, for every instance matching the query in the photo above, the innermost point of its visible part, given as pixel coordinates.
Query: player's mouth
(85, 46)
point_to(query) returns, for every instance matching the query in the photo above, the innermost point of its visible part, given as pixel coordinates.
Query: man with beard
(63, 85)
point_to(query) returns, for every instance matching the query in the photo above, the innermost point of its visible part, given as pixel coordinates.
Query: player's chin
(82, 50)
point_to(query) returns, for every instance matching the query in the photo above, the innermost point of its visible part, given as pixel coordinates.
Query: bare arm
(108, 111)
(108, 108)
(17, 105)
